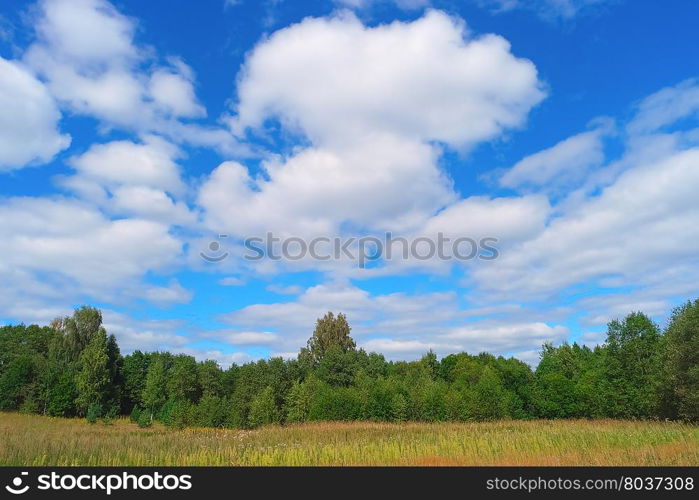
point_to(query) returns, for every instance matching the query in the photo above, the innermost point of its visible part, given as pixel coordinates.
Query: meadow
(38, 440)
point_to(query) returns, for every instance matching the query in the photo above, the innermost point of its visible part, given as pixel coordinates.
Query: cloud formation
(29, 131)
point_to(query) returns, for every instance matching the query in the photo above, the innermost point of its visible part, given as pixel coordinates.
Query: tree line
(74, 368)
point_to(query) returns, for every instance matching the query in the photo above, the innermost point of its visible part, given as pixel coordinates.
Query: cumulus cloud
(339, 81)
(70, 245)
(316, 190)
(421, 81)
(29, 120)
(174, 93)
(86, 52)
(640, 224)
(132, 179)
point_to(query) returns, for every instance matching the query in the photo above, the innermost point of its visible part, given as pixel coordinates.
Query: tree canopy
(74, 368)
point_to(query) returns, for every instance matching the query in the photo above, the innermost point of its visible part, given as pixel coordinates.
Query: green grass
(36, 440)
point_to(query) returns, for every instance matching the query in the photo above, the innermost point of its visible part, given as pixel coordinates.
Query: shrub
(211, 411)
(144, 419)
(94, 411)
(136, 413)
(399, 408)
(263, 409)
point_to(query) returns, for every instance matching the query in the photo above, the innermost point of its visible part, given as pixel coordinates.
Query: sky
(142, 143)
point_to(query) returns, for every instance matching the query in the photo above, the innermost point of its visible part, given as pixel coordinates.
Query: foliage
(75, 368)
(330, 332)
(263, 409)
(681, 360)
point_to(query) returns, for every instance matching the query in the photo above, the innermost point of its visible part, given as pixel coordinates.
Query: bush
(263, 409)
(178, 414)
(144, 419)
(94, 411)
(211, 411)
(135, 414)
(110, 415)
(399, 408)
(298, 401)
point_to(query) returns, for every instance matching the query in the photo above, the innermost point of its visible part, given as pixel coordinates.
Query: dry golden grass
(36, 440)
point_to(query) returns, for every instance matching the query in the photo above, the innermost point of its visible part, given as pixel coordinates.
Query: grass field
(35, 440)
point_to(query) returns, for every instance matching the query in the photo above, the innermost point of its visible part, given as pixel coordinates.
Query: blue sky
(132, 134)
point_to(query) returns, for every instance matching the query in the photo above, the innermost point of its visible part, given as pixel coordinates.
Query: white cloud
(131, 179)
(285, 290)
(547, 9)
(71, 245)
(641, 224)
(666, 107)
(175, 94)
(29, 119)
(231, 281)
(171, 294)
(509, 219)
(315, 191)
(401, 4)
(399, 325)
(146, 335)
(124, 162)
(561, 166)
(407, 348)
(430, 79)
(86, 52)
(493, 337)
(242, 338)
(420, 81)
(91, 31)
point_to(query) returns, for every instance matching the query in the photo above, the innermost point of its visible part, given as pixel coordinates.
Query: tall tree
(330, 331)
(77, 330)
(182, 381)
(154, 390)
(134, 370)
(93, 379)
(634, 366)
(682, 362)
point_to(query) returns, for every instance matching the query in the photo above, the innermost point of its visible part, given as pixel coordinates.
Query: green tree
(211, 410)
(681, 363)
(330, 332)
(15, 381)
(210, 378)
(263, 409)
(337, 367)
(77, 330)
(182, 381)
(154, 390)
(399, 408)
(93, 377)
(299, 400)
(489, 399)
(134, 372)
(633, 366)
